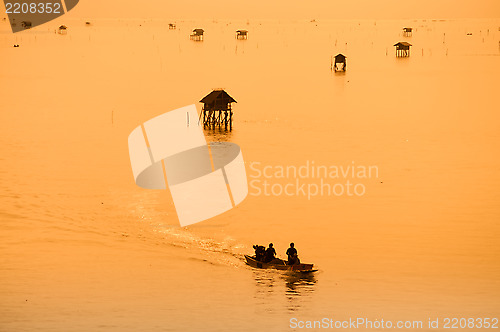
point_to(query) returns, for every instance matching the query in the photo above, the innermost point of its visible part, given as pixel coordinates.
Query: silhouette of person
(270, 253)
(260, 252)
(292, 254)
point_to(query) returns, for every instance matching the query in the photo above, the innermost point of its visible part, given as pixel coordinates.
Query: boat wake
(221, 250)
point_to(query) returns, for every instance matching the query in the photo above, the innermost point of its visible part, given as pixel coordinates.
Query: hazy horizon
(280, 9)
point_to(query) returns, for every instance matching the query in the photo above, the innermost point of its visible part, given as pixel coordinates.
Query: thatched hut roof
(217, 99)
(340, 56)
(406, 44)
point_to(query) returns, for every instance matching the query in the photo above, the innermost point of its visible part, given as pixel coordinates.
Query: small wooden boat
(279, 264)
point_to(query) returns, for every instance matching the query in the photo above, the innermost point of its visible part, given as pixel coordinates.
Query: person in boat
(291, 252)
(260, 252)
(270, 253)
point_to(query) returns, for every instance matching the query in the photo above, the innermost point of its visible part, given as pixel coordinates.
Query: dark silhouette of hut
(216, 111)
(172, 26)
(241, 34)
(63, 29)
(26, 24)
(402, 49)
(88, 23)
(340, 60)
(197, 35)
(407, 32)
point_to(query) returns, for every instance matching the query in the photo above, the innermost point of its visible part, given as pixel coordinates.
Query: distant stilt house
(88, 23)
(407, 32)
(197, 35)
(63, 29)
(241, 34)
(402, 49)
(26, 24)
(339, 64)
(216, 111)
(172, 26)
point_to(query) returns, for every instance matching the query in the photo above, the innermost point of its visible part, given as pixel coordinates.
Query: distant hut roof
(242, 32)
(63, 27)
(403, 44)
(407, 29)
(340, 56)
(198, 31)
(219, 96)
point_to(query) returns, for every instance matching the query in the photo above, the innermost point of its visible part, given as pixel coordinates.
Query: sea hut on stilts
(407, 32)
(172, 26)
(241, 34)
(402, 49)
(339, 62)
(26, 24)
(62, 30)
(197, 35)
(217, 111)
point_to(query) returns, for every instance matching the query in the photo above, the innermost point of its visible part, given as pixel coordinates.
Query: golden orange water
(82, 248)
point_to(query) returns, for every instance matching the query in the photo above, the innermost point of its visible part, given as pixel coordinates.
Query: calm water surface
(82, 248)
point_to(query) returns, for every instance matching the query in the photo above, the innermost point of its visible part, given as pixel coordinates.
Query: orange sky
(289, 9)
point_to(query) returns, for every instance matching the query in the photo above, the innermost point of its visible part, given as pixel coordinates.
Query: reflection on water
(292, 290)
(299, 287)
(299, 283)
(217, 135)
